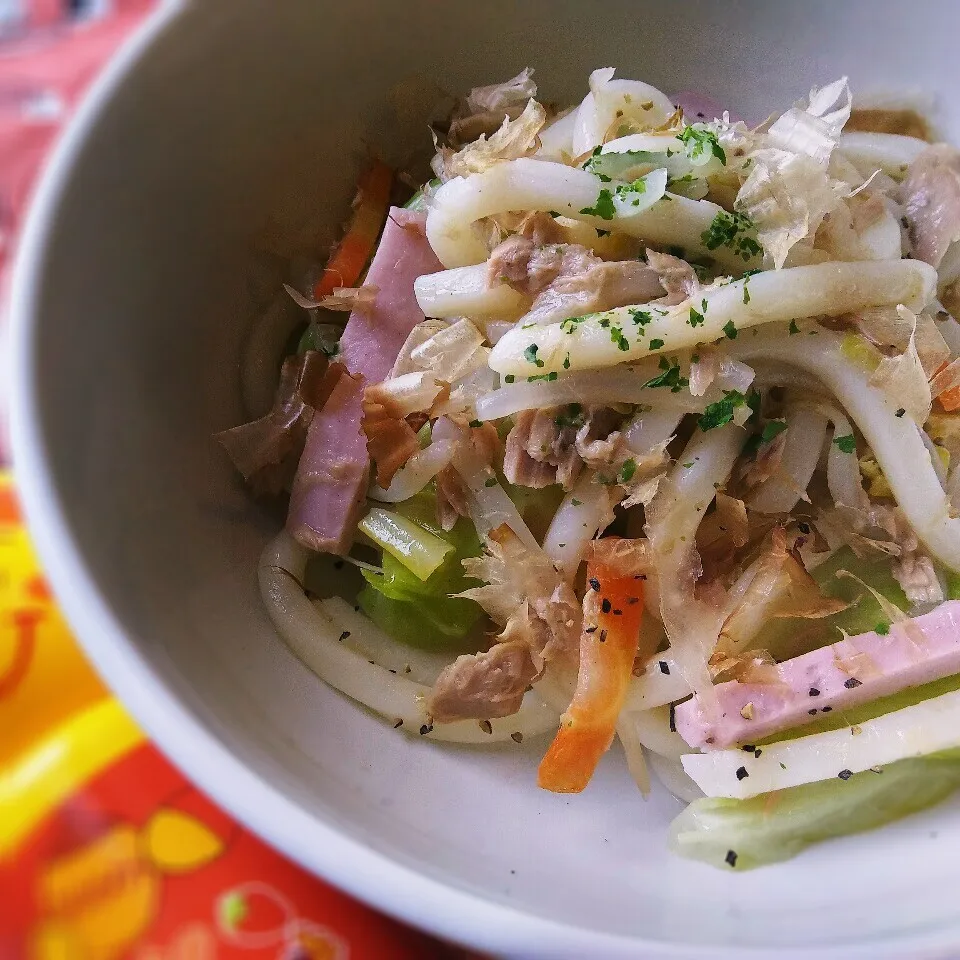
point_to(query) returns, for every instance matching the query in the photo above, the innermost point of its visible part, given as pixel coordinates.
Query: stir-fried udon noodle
(638, 423)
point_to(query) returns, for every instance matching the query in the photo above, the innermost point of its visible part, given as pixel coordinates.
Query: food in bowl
(642, 426)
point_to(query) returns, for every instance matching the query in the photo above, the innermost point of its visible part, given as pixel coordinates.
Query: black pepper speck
(742, 773)
(851, 682)
(826, 709)
(595, 583)
(605, 606)
(845, 774)
(814, 692)
(813, 712)
(345, 634)
(731, 858)
(664, 667)
(425, 729)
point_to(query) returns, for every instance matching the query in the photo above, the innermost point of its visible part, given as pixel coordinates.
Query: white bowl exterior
(132, 288)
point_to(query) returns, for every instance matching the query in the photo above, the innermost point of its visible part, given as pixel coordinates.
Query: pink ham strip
(334, 470)
(699, 108)
(333, 473)
(373, 337)
(843, 675)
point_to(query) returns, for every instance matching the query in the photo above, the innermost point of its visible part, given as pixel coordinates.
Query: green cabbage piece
(742, 834)
(422, 613)
(787, 637)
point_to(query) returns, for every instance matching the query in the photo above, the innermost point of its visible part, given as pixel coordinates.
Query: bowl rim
(370, 876)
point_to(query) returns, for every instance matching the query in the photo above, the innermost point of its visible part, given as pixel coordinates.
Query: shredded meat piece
(931, 197)
(552, 445)
(766, 463)
(530, 268)
(601, 286)
(523, 581)
(452, 498)
(677, 277)
(483, 686)
(534, 430)
(541, 619)
(916, 575)
(541, 228)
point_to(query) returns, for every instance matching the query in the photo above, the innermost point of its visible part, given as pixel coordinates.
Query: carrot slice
(950, 399)
(612, 611)
(355, 249)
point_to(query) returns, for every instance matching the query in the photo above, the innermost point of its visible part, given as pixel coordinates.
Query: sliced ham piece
(373, 336)
(333, 473)
(843, 675)
(334, 470)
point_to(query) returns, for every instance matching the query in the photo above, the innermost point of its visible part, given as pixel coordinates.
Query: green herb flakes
(721, 412)
(700, 141)
(604, 208)
(670, 377)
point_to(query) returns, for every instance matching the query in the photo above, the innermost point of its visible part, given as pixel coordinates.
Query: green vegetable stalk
(742, 834)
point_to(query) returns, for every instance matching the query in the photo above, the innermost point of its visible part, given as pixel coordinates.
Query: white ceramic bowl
(132, 291)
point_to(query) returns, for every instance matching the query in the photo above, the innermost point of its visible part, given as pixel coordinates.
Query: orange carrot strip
(950, 399)
(612, 611)
(355, 249)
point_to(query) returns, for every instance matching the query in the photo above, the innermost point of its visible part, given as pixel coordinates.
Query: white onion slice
(671, 774)
(653, 731)
(654, 688)
(416, 473)
(490, 507)
(780, 493)
(585, 511)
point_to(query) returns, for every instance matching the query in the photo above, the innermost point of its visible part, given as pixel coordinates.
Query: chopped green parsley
(530, 355)
(699, 140)
(731, 230)
(627, 470)
(656, 343)
(617, 337)
(793, 328)
(721, 412)
(730, 329)
(670, 377)
(604, 208)
(847, 443)
(772, 429)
